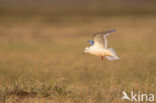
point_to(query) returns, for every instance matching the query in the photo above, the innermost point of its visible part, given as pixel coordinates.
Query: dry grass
(41, 59)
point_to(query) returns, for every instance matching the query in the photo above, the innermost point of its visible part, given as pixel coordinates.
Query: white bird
(99, 46)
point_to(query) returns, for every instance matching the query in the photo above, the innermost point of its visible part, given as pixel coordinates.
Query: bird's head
(86, 50)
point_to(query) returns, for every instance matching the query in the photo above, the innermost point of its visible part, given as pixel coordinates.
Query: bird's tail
(114, 57)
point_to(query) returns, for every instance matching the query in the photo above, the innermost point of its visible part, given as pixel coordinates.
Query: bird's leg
(101, 57)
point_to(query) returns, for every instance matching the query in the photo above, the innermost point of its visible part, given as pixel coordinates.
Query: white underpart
(102, 51)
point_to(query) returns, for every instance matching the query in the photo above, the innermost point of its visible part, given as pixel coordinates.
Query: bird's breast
(97, 51)
(101, 52)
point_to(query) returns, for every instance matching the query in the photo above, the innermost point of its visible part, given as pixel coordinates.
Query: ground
(41, 58)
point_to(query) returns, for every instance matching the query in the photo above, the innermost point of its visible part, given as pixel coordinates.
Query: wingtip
(91, 42)
(104, 32)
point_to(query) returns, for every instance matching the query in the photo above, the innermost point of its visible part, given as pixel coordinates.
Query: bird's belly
(102, 53)
(98, 53)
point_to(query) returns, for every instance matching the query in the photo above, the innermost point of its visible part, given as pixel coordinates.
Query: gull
(98, 47)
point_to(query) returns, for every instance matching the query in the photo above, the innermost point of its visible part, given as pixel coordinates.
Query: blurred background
(78, 7)
(41, 45)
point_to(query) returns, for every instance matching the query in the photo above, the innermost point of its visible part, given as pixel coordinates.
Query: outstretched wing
(100, 38)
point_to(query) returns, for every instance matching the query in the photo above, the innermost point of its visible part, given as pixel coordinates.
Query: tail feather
(114, 57)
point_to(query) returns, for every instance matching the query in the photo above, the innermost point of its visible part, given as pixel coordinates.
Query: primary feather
(100, 38)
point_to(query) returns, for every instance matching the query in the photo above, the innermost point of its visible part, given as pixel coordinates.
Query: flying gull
(98, 47)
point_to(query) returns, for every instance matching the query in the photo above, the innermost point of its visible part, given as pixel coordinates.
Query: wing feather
(100, 38)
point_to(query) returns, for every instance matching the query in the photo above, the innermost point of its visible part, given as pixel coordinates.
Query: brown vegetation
(41, 59)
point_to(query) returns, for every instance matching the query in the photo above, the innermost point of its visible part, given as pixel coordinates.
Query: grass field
(41, 59)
